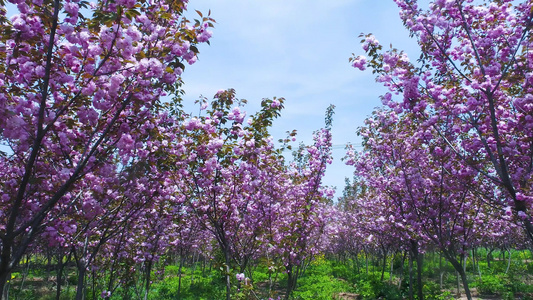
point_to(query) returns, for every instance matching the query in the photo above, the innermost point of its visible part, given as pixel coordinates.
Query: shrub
(371, 287)
(491, 284)
(432, 291)
(173, 270)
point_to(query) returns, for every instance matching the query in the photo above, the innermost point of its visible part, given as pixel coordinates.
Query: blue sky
(299, 50)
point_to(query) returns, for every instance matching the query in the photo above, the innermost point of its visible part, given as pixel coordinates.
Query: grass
(324, 278)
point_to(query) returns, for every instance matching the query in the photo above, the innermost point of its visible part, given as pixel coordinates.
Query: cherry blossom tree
(221, 164)
(473, 79)
(433, 197)
(301, 225)
(80, 83)
(298, 208)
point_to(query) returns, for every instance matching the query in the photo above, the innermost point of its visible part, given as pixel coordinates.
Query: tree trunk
(489, 257)
(384, 265)
(82, 270)
(460, 270)
(5, 267)
(291, 281)
(401, 270)
(59, 274)
(473, 260)
(204, 264)
(464, 257)
(24, 276)
(356, 263)
(194, 263)
(228, 279)
(93, 279)
(4, 285)
(441, 270)
(508, 262)
(48, 264)
(465, 285)
(458, 284)
(366, 261)
(419, 264)
(179, 274)
(411, 276)
(147, 274)
(391, 267)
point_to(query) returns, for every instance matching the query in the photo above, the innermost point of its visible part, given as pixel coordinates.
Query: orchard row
(101, 164)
